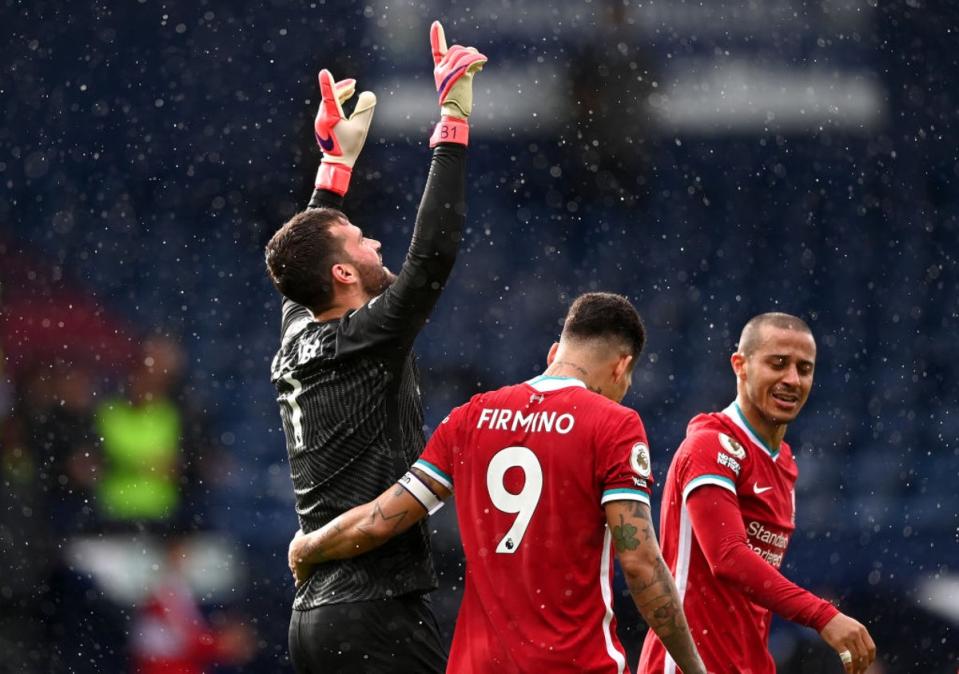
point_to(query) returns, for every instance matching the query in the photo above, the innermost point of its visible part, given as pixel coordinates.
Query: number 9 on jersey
(522, 504)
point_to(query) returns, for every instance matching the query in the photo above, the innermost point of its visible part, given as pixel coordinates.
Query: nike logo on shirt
(758, 489)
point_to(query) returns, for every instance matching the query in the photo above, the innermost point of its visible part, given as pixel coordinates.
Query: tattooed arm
(361, 529)
(650, 582)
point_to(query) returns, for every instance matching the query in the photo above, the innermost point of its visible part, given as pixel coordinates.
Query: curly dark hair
(606, 316)
(300, 255)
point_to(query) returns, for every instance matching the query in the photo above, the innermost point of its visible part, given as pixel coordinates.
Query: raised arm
(718, 525)
(369, 525)
(649, 581)
(340, 140)
(397, 316)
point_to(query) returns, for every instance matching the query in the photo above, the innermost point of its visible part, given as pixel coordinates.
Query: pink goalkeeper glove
(339, 138)
(453, 72)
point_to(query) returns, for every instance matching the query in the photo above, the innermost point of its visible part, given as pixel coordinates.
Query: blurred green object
(141, 445)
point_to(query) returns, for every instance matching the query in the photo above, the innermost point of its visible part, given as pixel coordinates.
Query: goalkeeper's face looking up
(321, 260)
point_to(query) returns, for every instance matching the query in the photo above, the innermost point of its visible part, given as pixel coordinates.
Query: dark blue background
(148, 151)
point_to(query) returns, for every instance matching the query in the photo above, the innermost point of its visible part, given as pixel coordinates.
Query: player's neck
(341, 305)
(575, 370)
(770, 433)
(567, 368)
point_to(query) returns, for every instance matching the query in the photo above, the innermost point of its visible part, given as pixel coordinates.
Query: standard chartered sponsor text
(759, 534)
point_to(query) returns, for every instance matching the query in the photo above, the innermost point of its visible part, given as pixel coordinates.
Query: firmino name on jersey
(496, 419)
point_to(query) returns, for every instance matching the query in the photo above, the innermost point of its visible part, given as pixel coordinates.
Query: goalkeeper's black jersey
(349, 398)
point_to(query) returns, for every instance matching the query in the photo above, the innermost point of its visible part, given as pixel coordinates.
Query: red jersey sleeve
(710, 457)
(623, 462)
(438, 455)
(718, 526)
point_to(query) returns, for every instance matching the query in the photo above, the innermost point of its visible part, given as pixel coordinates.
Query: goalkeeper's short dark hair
(606, 316)
(300, 255)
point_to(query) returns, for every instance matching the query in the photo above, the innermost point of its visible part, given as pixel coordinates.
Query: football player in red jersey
(549, 475)
(729, 510)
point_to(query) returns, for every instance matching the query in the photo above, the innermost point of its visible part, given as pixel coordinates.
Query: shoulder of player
(600, 402)
(608, 415)
(309, 342)
(484, 399)
(375, 326)
(706, 433)
(315, 332)
(505, 394)
(786, 452)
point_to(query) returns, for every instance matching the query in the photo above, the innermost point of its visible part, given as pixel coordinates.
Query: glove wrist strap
(451, 130)
(333, 177)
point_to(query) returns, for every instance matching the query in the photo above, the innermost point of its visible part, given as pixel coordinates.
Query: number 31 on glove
(453, 72)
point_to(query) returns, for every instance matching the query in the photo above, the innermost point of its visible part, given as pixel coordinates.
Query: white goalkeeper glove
(340, 138)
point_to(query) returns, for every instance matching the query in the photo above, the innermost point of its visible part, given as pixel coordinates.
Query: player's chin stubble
(376, 279)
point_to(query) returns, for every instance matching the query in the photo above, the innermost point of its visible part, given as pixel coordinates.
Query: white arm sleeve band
(418, 489)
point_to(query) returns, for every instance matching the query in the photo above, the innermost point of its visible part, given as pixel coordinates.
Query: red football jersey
(730, 631)
(531, 466)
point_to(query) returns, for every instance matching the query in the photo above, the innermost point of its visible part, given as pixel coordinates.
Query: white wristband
(418, 489)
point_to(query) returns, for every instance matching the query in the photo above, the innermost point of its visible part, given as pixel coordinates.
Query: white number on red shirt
(522, 504)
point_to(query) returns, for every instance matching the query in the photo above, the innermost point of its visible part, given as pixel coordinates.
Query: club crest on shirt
(732, 446)
(639, 459)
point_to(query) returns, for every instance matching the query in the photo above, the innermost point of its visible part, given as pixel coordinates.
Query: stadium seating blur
(147, 153)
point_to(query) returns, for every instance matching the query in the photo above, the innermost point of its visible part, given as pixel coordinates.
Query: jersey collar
(736, 415)
(545, 383)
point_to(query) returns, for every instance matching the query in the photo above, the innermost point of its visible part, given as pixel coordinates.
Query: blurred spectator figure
(610, 82)
(58, 415)
(38, 444)
(25, 549)
(154, 442)
(170, 635)
(50, 618)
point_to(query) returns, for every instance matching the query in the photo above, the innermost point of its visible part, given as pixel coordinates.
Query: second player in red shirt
(728, 513)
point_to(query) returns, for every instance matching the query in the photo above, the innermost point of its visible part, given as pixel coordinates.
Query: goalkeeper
(347, 386)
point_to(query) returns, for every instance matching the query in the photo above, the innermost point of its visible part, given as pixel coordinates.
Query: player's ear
(551, 356)
(344, 273)
(621, 369)
(738, 361)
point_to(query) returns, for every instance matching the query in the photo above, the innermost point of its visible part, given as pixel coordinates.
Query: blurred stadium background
(711, 160)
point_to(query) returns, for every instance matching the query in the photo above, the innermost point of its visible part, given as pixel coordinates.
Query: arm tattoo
(333, 536)
(653, 588)
(660, 606)
(624, 536)
(640, 510)
(396, 519)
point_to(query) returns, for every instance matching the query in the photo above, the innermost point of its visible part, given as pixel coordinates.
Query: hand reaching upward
(340, 138)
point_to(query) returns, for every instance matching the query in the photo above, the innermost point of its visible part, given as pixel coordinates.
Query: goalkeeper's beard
(374, 278)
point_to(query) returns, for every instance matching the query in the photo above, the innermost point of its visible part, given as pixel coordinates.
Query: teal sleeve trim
(624, 495)
(434, 472)
(716, 480)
